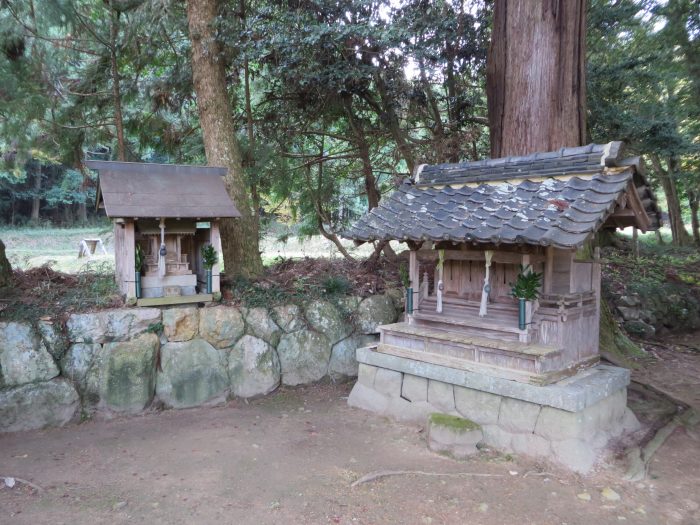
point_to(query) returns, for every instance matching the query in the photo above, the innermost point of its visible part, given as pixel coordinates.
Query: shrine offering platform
(570, 422)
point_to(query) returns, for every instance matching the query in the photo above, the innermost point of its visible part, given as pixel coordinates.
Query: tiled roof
(558, 199)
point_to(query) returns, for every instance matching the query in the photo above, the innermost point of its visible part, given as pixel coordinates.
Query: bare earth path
(291, 457)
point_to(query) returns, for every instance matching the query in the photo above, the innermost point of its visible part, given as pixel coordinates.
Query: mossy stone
(454, 423)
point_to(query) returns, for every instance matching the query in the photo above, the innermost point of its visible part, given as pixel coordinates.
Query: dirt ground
(291, 458)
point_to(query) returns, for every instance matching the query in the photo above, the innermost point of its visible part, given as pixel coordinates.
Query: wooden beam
(478, 255)
(175, 299)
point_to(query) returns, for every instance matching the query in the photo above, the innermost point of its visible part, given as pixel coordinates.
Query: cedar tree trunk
(667, 177)
(239, 237)
(536, 89)
(535, 81)
(5, 268)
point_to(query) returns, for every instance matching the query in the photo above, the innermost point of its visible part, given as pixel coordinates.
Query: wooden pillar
(215, 240)
(548, 270)
(596, 285)
(128, 263)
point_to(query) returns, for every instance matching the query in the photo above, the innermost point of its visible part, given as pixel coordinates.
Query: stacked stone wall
(125, 361)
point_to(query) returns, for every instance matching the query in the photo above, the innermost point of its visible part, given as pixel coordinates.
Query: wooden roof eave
(630, 212)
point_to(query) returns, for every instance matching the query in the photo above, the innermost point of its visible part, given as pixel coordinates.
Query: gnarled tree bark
(239, 237)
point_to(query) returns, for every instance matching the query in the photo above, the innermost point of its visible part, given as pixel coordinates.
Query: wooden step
(484, 323)
(532, 363)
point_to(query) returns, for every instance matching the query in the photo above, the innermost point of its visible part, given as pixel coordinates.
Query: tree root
(639, 457)
(386, 473)
(24, 482)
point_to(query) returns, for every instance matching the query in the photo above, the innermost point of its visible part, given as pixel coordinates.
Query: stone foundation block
(304, 356)
(518, 416)
(38, 405)
(123, 374)
(111, 325)
(441, 396)
(575, 454)
(221, 326)
(388, 382)
(253, 368)
(453, 435)
(181, 324)
(414, 388)
(23, 356)
(366, 374)
(531, 445)
(367, 398)
(480, 407)
(403, 410)
(193, 373)
(496, 437)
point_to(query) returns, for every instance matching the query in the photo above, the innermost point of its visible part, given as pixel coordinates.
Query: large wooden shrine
(166, 214)
(475, 225)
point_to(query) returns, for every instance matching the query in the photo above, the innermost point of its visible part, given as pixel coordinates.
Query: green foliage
(155, 328)
(336, 285)
(209, 256)
(527, 285)
(403, 276)
(139, 258)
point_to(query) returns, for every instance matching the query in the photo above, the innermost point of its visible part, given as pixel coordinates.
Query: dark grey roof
(558, 199)
(133, 189)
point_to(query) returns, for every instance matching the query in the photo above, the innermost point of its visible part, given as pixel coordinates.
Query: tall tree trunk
(536, 92)
(360, 142)
(36, 200)
(391, 120)
(5, 268)
(535, 76)
(250, 129)
(80, 166)
(116, 84)
(694, 204)
(668, 183)
(239, 237)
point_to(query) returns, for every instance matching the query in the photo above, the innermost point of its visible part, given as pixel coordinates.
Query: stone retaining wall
(127, 360)
(575, 439)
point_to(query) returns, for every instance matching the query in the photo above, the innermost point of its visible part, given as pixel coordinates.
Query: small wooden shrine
(166, 215)
(477, 224)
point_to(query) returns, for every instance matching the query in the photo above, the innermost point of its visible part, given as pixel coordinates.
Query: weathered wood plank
(175, 299)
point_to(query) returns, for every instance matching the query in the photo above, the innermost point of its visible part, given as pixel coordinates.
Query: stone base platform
(569, 422)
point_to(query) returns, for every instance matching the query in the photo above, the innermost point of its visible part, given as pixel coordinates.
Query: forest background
(333, 102)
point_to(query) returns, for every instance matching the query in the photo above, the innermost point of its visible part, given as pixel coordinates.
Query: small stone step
(453, 435)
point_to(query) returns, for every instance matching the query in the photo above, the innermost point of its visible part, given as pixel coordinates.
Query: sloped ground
(291, 458)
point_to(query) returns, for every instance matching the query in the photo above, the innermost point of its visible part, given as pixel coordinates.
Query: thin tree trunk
(321, 215)
(82, 213)
(5, 268)
(392, 122)
(240, 242)
(694, 204)
(535, 76)
(36, 200)
(116, 88)
(80, 166)
(668, 183)
(360, 142)
(250, 129)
